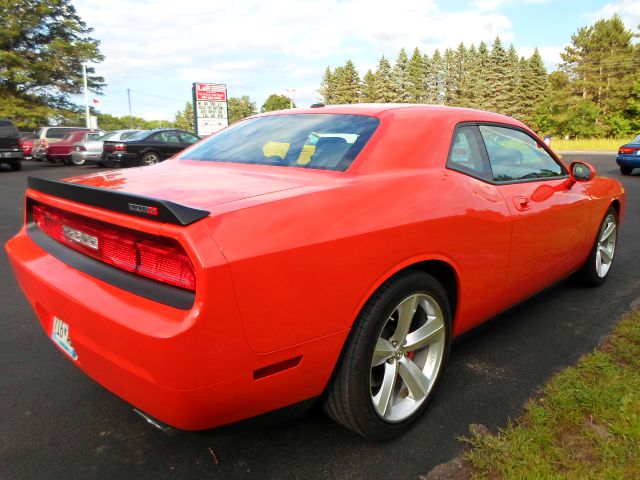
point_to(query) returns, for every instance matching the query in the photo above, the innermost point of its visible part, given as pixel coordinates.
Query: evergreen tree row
(596, 91)
(490, 79)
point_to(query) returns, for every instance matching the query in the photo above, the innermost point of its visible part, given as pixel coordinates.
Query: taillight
(627, 150)
(159, 259)
(80, 148)
(120, 147)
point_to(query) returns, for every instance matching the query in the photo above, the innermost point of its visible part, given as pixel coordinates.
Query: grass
(588, 144)
(585, 425)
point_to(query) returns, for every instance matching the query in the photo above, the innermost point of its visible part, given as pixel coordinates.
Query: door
(550, 220)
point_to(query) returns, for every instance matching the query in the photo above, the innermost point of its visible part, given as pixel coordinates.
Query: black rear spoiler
(150, 208)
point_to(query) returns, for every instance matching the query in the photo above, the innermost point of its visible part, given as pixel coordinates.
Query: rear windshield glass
(636, 140)
(322, 141)
(7, 129)
(139, 136)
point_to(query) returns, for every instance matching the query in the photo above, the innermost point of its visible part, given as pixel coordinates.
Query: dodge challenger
(326, 254)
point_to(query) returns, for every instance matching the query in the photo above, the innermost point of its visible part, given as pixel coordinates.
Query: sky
(158, 48)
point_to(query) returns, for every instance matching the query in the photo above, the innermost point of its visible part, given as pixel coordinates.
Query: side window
(57, 132)
(188, 138)
(160, 137)
(172, 137)
(467, 153)
(514, 155)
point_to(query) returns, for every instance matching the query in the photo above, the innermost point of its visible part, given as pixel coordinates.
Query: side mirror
(580, 172)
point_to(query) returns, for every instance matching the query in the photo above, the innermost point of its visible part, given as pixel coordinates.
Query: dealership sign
(210, 107)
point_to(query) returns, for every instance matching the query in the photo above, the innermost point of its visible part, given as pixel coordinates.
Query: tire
(150, 158)
(66, 161)
(373, 362)
(596, 268)
(15, 166)
(626, 170)
(77, 161)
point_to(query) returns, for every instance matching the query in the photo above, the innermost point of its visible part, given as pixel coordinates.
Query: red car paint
(61, 151)
(288, 256)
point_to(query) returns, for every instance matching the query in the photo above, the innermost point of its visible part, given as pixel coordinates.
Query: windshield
(636, 140)
(322, 141)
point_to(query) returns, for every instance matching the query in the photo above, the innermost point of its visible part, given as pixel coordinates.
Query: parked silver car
(91, 151)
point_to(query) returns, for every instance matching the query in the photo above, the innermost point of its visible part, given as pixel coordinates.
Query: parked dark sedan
(629, 156)
(147, 148)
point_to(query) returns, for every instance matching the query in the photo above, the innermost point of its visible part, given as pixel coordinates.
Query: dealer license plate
(60, 335)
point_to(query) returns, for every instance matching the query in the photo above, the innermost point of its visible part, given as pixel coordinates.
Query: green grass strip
(585, 425)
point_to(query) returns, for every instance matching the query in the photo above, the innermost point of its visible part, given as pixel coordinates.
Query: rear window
(139, 136)
(322, 141)
(8, 129)
(58, 132)
(636, 140)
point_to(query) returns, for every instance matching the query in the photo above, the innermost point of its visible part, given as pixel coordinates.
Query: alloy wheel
(606, 246)
(407, 357)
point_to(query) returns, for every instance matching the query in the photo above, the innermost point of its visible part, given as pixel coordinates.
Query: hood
(203, 184)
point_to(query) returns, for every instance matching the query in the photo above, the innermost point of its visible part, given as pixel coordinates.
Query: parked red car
(329, 253)
(61, 151)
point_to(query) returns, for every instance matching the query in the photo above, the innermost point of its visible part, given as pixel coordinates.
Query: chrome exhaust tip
(163, 427)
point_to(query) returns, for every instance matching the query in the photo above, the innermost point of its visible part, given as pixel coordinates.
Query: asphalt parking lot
(57, 423)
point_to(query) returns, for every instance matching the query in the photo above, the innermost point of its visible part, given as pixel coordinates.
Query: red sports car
(329, 252)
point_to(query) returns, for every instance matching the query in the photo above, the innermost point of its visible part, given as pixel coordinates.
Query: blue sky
(158, 47)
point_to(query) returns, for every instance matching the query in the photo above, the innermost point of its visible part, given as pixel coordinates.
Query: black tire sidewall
(371, 321)
(588, 273)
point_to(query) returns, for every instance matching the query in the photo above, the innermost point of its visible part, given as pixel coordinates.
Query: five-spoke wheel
(393, 358)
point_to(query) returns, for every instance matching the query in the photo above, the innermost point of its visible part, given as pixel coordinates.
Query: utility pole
(86, 96)
(291, 92)
(130, 114)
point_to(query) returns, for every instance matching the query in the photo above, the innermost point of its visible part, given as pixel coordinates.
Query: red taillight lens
(157, 259)
(627, 150)
(120, 147)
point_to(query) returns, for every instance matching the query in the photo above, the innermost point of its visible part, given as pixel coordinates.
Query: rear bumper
(87, 157)
(628, 161)
(11, 156)
(190, 369)
(122, 159)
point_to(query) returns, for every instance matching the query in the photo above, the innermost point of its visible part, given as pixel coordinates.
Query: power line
(158, 96)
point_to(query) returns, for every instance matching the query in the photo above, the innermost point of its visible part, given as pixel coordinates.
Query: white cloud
(628, 10)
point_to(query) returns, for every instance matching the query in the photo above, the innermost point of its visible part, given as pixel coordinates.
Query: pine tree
(499, 70)
(369, 87)
(512, 105)
(417, 77)
(384, 85)
(533, 88)
(347, 84)
(184, 118)
(601, 69)
(429, 89)
(400, 74)
(437, 78)
(468, 90)
(449, 77)
(327, 88)
(480, 91)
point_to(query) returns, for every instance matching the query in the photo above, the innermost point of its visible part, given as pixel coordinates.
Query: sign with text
(210, 107)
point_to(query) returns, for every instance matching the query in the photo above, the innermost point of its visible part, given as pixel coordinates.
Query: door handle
(522, 203)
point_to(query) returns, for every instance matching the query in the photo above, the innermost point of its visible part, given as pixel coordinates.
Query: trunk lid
(203, 184)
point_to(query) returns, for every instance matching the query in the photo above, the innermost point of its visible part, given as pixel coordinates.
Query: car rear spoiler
(150, 208)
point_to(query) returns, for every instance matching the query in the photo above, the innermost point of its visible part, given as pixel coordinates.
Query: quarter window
(467, 153)
(514, 155)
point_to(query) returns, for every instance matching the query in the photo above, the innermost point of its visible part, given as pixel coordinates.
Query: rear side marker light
(158, 259)
(276, 367)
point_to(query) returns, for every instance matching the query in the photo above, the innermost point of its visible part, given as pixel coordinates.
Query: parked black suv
(147, 147)
(10, 145)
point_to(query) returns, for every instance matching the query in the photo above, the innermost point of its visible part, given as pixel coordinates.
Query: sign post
(210, 107)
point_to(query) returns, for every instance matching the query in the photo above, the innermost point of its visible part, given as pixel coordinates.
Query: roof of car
(379, 109)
